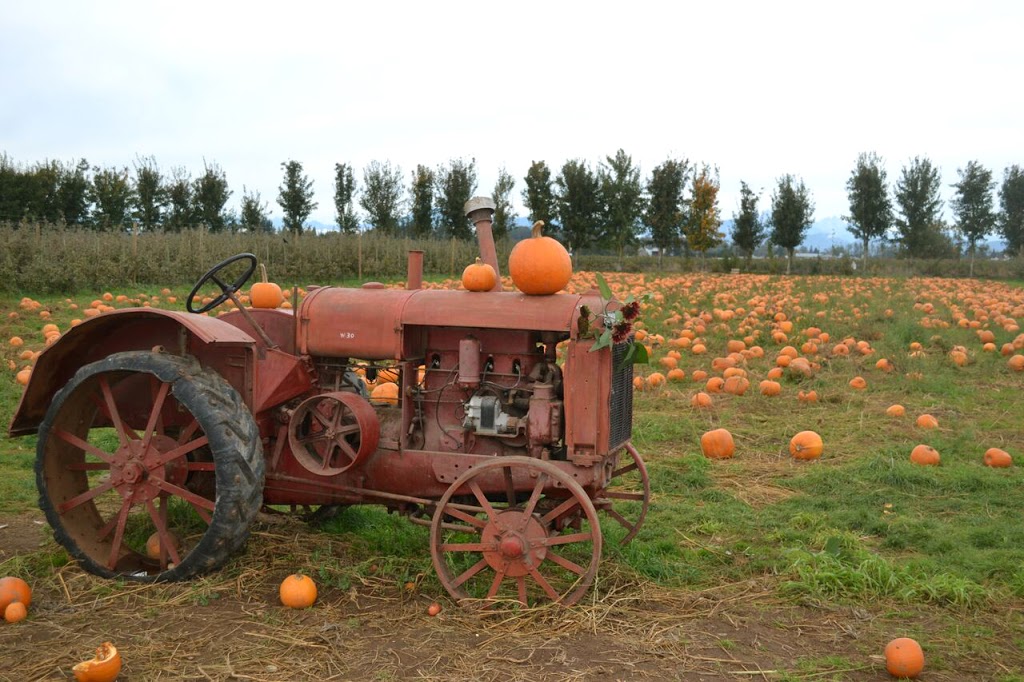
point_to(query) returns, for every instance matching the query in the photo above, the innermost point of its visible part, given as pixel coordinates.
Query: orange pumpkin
(714, 385)
(264, 294)
(1016, 363)
(105, 667)
(153, 544)
(655, 379)
(14, 589)
(298, 591)
(806, 445)
(926, 421)
(701, 400)
(995, 457)
(479, 276)
(904, 658)
(15, 612)
(770, 388)
(808, 397)
(926, 455)
(539, 265)
(858, 383)
(896, 410)
(386, 393)
(717, 444)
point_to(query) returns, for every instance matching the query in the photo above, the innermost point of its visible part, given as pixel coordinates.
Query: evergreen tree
(73, 193)
(973, 205)
(150, 194)
(10, 190)
(703, 217)
(255, 216)
(917, 197)
(40, 192)
(382, 195)
(1011, 215)
(422, 191)
(454, 185)
(210, 195)
(112, 196)
(344, 196)
(665, 204)
(179, 214)
(539, 196)
(295, 197)
(748, 229)
(870, 206)
(579, 205)
(623, 202)
(792, 215)
(504, 216)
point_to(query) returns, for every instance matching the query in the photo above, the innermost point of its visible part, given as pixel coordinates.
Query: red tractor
(162, 434)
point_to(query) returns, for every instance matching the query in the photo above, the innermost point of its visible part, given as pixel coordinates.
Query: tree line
(674, 209)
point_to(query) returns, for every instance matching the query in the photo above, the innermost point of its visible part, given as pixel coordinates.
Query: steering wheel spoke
(226, 289)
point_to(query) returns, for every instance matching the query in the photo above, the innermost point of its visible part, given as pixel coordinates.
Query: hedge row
(47, 259)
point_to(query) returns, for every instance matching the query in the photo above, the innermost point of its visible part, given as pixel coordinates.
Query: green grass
(861, 524)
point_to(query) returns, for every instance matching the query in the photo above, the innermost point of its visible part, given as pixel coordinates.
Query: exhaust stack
(480, 212)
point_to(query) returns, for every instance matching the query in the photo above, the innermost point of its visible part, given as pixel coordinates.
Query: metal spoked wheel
(627, 496)
(515, 529)
(333, 432)
(149, 468)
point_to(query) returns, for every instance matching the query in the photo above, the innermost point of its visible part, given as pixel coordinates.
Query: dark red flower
(630, 311)
(620, 332)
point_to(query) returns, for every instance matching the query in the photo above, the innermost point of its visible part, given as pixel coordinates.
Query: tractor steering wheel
(226, 289)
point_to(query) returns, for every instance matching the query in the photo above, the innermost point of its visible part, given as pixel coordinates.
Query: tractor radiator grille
(620, 400)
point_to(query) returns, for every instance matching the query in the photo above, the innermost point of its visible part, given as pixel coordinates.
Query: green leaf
(602, 286)
(640, 355)
(630, 353)
(603, 341)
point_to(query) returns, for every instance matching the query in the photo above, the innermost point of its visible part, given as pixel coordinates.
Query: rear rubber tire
(195, 401)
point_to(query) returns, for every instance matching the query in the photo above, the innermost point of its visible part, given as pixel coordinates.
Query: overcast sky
(757, 89)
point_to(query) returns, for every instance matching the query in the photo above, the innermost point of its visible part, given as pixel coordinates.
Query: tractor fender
(216, 344)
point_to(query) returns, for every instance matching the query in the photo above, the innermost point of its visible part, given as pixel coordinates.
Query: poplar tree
(792, 215)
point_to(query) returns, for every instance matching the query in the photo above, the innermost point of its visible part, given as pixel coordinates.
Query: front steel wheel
(149, 467)
(515, 529)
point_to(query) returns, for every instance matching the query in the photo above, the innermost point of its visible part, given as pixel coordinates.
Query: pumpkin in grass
(153, 545)
(265, 294)
(927, 421)
(14, 589)
(539, 265)
(770, 388)
(105, 667)
(479, 276)
(298, 591)
(925, 455)
(858, 383)
(896, 410)
(701, 400)
(1016, 363)
(904, 658)
(998, 458)
(15, 612)
(806, 445)
(717, 444)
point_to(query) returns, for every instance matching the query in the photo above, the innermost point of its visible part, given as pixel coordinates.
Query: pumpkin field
(835, 463)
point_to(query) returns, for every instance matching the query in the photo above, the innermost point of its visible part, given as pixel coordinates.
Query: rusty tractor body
(162, 434)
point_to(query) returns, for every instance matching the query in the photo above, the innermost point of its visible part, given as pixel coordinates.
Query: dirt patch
(23, 534)
(229, 626)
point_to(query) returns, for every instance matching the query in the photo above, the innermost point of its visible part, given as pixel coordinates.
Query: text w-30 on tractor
(177, 428)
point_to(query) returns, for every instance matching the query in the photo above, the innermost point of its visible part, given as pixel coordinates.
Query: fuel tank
(375, 323)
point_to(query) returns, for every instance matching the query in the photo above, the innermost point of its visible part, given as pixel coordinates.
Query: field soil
(230, 626)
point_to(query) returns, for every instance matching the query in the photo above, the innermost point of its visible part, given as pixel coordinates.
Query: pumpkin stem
(263, 272)
(536, 232)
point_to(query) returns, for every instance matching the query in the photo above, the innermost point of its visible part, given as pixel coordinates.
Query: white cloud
(758, 89)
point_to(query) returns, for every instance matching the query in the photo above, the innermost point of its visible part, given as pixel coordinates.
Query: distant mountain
(309, 225)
